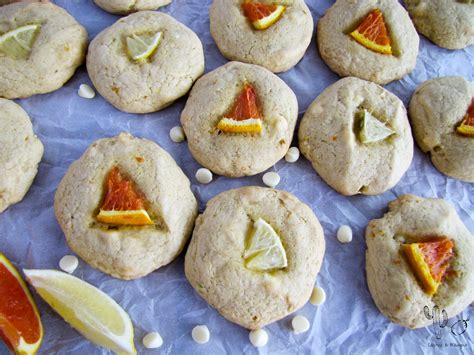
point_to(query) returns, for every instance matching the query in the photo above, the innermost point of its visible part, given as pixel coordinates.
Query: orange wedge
(20, 322)
(429, 261)
(262, 16)
(372, 33)
(122, 204)
(466, 128)
(244, 117)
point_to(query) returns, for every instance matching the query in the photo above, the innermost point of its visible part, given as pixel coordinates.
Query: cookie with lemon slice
(264, 240)
(419, 255)
(125, 207)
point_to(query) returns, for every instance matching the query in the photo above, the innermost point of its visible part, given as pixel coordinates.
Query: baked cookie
(20, 153)
(125, 207)
(128, 6)
(419, 255)
(239, 119)
(53, 46)
(357, 136)
(448, 23)
(437, 110)
(255, 254)
(241, 36)
(145, 61)
(373, 40)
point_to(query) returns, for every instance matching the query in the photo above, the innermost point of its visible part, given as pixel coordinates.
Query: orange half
(262, 16)
(20, 322)
(122, 204)
(466, 128)
(372, 33)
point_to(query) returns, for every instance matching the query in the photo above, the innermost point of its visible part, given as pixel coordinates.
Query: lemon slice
(269, 20)
(142, 46)
(250, 125)
(371, 129)
(130, 218)
(265, 251)
(86, 308)
(18, 42)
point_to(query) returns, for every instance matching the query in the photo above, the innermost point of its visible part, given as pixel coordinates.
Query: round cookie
(20, 153)
(448, 23)
(347, 57)
(436, 109)
(58, 49)
(126, 252)
(393, 285)
(278, 48)
(127, 6)
(239, 154)
(142, 87)
(329, 137)
(215, 267)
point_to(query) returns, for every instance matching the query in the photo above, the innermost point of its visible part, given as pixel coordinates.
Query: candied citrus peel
(466, 128)
(262, 16)
(122, 204)
(429, 261)
(372, 33)
(244, 117)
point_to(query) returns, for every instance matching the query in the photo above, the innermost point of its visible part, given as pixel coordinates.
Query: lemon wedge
(371, 129)
(18, 43)
(265, 251)
(86, 308)
(141, 47)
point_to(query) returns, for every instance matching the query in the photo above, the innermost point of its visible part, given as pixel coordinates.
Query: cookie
(126, 251)
(20, 153)
(217, 269)
(277, 48)
(157, 81)
(347, 57)
(393, 283)
(447, 23)
(58, 48)
(239, 154)
(436, 110)
(335, 136)
(128, 6)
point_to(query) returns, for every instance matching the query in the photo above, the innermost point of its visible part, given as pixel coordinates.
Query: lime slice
(142, 46)
(265, 251)
(18, 42)
(371, 129)
(86, 308)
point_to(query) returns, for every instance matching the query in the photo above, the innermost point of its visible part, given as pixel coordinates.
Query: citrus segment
(372, 33)
(371, 130)
(142, 46)
(429, 261)
(18, 43)
(122, 204)
(466, 128)
(262, 16)
(265, 251)
(20, 323)
(86, 308)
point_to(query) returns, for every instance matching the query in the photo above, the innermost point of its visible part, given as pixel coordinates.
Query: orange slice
(122, 204)
(429, 261)
(20, 322)
(262, 16)
(466, 128)
(372, 33)
(244, 117)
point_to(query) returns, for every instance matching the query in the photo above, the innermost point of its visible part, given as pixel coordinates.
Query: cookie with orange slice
(125, 207)
(419, 254)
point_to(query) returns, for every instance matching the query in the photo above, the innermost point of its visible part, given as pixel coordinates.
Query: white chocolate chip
(318, 296)
(271, 179)
(152, 340)
(86, 92)
(69, 263)
(204, 176)
(177, 134)
(344, 234)
(200, 334)
(300, 324)
(258, 338)
(292, 155)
